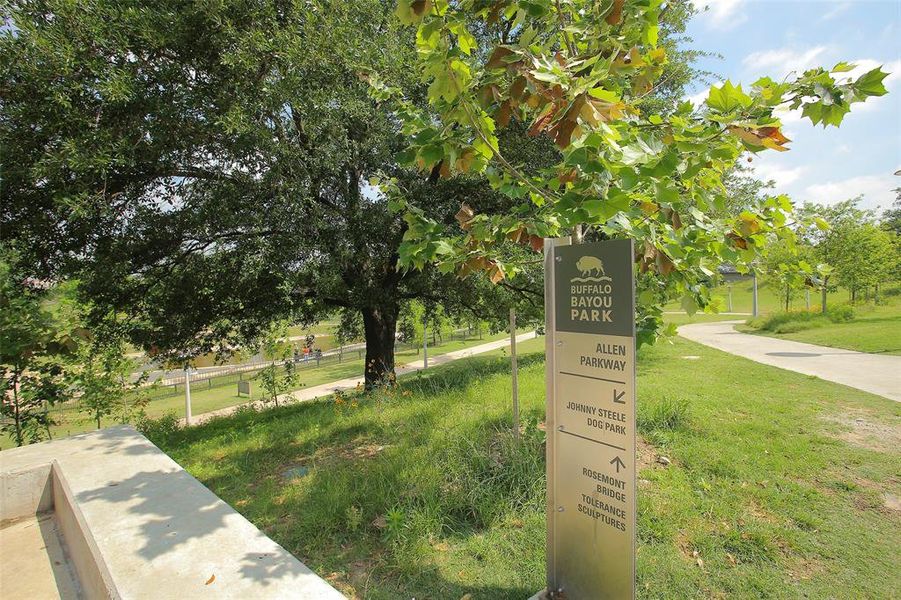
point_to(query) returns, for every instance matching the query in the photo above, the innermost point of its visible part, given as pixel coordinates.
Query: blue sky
(770, 37)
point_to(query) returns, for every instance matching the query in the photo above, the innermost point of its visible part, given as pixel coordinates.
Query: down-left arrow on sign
(618, 396)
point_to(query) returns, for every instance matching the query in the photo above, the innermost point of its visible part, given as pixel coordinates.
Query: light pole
(187, 395)
(754, 297)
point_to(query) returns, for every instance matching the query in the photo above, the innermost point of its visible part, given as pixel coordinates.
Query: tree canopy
(583, 73)
(202, 168)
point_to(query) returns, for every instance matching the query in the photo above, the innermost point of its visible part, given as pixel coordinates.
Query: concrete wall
(139, 526)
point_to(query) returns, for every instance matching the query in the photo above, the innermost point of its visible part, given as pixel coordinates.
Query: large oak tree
(202, 167)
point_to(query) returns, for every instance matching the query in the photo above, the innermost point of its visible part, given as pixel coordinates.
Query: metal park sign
(590, 314)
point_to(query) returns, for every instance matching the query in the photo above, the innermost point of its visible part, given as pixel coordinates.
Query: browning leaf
(503, 114)
(464, 163)
(420, 7)
(495, 274)
(737, 240)
(496, 61)
(517, 235)
(543, 120)
(616, 12)
(665, 265)
(464, 216)
(518, 87)
(567, 175)
(562, 133)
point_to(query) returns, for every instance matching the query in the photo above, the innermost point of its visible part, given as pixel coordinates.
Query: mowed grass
(875, 328)
(779, 485)
(204, 399)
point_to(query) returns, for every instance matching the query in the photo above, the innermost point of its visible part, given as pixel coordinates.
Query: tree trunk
(379, 324)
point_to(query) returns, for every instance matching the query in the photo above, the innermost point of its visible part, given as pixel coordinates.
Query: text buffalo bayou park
(592, 303)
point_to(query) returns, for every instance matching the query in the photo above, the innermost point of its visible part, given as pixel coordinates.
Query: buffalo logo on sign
(588, 296)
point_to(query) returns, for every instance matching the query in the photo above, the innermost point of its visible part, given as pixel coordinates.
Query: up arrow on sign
(618, 462)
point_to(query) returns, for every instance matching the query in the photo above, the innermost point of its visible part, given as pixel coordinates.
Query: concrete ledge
(137, 525)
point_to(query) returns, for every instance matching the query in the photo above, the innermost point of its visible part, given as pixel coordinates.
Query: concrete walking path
(351, 383)
(875, 373)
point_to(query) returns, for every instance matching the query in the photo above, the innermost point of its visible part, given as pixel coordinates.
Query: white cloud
(836, 11)
(724, 14)
(788, 117)
(892, 83)
(784, 60)
(876, 190)
(782, 176)
(699, 98)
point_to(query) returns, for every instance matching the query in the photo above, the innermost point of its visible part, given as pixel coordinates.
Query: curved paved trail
(326, 389)
(875, 373)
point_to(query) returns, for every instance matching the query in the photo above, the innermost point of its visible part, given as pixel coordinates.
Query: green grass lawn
(205, 400)
(780, 485)
(875, 328)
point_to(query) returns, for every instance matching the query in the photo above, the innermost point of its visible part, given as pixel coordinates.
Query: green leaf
(602, 94)
(689, 305)
(403, 12)
(870, 83)
(728, 98)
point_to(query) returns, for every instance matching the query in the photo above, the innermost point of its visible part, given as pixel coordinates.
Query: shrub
(800, 325)
(841, 314)
(159, 430)
(788, 322)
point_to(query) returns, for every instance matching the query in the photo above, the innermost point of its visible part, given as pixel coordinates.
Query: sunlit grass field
(204, 399)
(779, 485)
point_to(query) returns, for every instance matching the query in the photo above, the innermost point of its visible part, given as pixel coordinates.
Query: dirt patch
(892, 502)
(648, 456)
(327, 456)
(805, 569)
(868, 434)
(761, 514)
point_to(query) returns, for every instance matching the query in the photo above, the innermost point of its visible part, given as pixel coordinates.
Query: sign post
(514, 372)
(590, 314)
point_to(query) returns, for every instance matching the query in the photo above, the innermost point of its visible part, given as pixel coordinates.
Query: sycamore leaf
(496, 61)
(728, 97)
(616, 13)
(464, 216)
(495, 273)
(870, 83)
